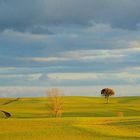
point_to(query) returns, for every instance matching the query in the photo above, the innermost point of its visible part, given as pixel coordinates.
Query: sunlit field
(85, 118)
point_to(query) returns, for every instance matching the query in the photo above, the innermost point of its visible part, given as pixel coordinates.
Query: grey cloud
(40, 30)
(22, 15)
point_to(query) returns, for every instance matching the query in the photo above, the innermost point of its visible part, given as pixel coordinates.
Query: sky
(80, 46)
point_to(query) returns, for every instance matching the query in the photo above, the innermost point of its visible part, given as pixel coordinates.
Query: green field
(84, 118)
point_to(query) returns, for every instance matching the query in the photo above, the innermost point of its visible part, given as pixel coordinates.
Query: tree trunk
(107, 100)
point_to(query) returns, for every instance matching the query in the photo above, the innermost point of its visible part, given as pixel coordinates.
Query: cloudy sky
(80, 46)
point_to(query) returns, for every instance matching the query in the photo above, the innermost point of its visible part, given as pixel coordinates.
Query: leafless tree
(55, 102)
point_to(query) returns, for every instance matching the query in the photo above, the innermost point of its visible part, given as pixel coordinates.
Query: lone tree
(107, 92)
(55, 102)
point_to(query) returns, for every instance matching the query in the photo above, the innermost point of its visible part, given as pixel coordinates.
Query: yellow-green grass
(74, 107)
(84, 118)
(83, 128)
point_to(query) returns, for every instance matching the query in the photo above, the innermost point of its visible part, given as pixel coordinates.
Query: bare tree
(55, 102)
(107, 92)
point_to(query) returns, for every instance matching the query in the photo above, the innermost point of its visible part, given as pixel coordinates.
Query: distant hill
(73, 107)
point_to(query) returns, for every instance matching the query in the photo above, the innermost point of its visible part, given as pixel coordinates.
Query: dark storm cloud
(23, 15)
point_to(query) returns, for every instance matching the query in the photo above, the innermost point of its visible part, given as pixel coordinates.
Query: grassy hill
(74, 107)
(84, 118)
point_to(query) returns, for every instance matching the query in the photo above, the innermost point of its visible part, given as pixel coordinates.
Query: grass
(84, 118)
